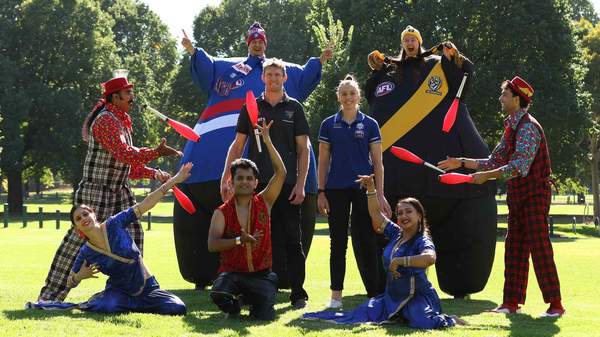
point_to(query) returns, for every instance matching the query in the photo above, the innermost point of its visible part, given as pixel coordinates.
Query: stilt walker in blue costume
(409, 97)
(408, 295)
(226, 80)
(109, 249)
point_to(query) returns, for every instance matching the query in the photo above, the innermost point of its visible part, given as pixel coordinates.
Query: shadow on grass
(43, 315)
(204, 317)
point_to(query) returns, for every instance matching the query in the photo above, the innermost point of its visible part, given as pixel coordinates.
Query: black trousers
(367, 245)
(288, 257)
(257, 289)
(196, 264)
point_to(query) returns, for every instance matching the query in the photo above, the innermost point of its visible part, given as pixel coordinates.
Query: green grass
(26, 255)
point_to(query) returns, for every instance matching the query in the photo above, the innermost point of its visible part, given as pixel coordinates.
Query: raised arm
(271, 192)
(378, 220)
(154, 197)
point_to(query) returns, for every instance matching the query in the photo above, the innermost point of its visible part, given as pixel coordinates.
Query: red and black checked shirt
(246, 257)
(111, 131)
(537, 180)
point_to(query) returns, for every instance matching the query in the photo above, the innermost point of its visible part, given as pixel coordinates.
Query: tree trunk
(15, 190)
(38, 185)
(595, 161)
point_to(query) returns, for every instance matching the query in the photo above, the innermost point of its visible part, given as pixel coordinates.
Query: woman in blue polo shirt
(349, 146)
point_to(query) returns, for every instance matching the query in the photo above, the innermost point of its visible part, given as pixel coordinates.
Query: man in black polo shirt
(289, 134)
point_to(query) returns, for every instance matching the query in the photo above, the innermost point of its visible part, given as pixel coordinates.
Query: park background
(54, 54)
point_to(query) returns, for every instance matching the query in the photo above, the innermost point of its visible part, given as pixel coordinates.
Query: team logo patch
(289, 114)
(384, 88)
(435, 83)
(360, 126)
(237, 84)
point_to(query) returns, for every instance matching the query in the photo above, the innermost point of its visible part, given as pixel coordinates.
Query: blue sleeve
(324, 131)
(121, 219)
(424, 243)
(305, 78)
(391, 231)
(375, 133)
(202, 68)
(78, 261)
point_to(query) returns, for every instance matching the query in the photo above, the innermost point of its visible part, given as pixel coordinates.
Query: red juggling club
(455, 178)
(410, 157)
(183, 200)
(252, 109)
(181, 128)
(450, 116)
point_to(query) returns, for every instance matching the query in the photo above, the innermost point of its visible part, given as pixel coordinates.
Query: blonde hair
(274, 63)
(348, 80)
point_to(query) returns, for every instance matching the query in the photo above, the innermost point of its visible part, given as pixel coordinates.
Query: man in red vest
(240, 230)
(522, 159)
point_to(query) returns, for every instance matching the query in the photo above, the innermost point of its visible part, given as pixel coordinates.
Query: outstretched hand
(165, 150)
(367, 182)
(184, 173)
(88, 271)
(264, 131)
(327, 54)
(186, 42)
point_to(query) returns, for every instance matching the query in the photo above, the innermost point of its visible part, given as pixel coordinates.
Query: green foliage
(323, 101)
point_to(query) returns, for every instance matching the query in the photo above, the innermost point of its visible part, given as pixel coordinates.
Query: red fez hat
(521, 87)
(256, 31)
(115, 84)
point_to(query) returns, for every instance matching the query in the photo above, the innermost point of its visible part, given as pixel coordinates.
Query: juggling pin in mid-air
(252, 109)
(181, 128)
(410, 157)
(455, 178)
(450, 116)
(183, 200)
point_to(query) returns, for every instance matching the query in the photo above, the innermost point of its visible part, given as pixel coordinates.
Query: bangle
(320, 190)
(408, 261)
(462, 162)
(371, 193)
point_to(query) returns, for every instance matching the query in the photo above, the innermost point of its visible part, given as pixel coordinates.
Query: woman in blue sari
(408, 296)
(110, 250)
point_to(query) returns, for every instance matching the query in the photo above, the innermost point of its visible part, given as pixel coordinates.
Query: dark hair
(89, 119)
(244, 164)
(76, 207)
(423, 226)
(522, 102)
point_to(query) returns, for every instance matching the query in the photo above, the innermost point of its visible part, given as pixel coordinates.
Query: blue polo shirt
(349, 148)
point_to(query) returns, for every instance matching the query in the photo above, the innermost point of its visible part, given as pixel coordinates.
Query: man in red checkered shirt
(522, 159)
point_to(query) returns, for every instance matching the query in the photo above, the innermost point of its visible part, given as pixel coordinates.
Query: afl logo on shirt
(237, 84)
(384, 88)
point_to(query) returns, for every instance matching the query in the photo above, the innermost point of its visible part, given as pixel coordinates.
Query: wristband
(320, 190)
(462, 162)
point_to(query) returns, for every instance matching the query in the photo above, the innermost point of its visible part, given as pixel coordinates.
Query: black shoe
(299, 304)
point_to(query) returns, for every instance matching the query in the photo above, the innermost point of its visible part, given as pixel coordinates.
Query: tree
(323, 101)
(591, 55)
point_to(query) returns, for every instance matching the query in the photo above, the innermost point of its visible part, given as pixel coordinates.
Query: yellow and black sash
(429, 94)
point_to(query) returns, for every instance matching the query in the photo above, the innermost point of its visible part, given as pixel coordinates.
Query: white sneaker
(334, 304)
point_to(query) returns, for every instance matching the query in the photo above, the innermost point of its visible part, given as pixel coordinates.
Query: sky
(180, 14)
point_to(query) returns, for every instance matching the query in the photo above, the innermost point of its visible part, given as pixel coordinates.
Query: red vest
(247, 258)
(537, 180)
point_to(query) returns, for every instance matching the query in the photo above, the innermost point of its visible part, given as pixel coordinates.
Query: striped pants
(105, 202)
(528, 235)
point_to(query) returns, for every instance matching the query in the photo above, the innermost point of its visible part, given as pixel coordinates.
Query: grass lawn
(26, 255)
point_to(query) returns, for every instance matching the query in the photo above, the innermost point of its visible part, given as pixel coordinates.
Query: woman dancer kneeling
(110, 250)
(408, 294)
